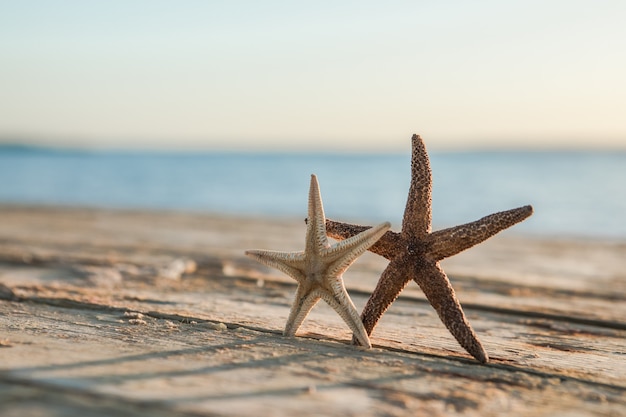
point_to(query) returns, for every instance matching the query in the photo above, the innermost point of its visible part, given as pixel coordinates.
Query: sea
(574, 193)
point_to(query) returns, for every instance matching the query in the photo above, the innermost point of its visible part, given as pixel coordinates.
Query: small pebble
(133, 315)
(170, 324)
(217, 326)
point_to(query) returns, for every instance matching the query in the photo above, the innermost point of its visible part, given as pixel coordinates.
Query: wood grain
(155, 314)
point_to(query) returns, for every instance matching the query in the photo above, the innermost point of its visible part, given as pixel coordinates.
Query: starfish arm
(418, 212)
(448, 242)
(341, 302)
(291, 263)
(303, 302)
(392, 281)
(436, 286)
(341, 255)
(386, 246)
(316, 240)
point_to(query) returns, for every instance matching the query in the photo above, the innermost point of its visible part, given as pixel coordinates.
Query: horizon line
(186, 149)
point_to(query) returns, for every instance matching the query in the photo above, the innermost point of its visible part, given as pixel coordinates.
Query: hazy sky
(356, 75)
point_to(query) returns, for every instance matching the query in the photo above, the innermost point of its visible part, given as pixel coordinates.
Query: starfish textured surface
(415, 253)
(319, 268)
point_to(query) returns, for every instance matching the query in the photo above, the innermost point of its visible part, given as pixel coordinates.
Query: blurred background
(228, 107)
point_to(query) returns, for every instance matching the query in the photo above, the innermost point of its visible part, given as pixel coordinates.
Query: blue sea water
(580, 194)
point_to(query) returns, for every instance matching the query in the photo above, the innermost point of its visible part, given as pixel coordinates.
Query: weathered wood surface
(158, 314)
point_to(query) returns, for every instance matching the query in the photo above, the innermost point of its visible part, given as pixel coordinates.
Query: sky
(322, 75)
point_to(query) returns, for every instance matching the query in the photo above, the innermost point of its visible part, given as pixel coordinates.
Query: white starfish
(319, 268)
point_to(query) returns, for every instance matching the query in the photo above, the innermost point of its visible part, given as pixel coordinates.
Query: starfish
(414, 254)
(319, 268)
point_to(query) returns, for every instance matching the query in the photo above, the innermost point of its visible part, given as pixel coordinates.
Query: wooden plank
(160, 314)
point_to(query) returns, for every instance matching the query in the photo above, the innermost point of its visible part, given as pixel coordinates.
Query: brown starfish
(415, 253)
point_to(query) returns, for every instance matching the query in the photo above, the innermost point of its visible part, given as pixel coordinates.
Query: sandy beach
(160, 313)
